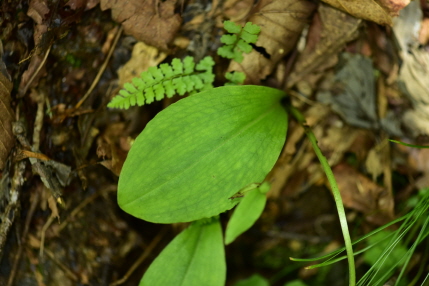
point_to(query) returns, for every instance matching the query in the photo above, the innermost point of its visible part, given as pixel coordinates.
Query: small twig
(9, 214)
(33, 76)
(83, 204)
(101, 71)
(67, 271)
(140, 260)
(34, 202)
(43, 233)
(301, 97)
(38, 122)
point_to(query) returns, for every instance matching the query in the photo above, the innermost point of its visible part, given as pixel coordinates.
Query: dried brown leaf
(143, 57)
(414, 70)
(52, 203)
(237, 10)
(364, 9)
(7, 140)
(153, 22)
(394, 6)
(320, 53)
(282, 23)
(361, 194)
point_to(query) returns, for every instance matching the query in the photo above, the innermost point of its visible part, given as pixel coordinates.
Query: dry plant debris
(281, 23)
(7, 139)
(153, 22)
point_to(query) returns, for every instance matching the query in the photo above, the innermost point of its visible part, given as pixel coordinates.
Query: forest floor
(360, 78)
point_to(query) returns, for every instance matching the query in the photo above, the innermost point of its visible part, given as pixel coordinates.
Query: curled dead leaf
(364, 9)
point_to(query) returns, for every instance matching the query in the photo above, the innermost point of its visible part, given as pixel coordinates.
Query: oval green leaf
(197, 153)
(245, 215)
(195, 257)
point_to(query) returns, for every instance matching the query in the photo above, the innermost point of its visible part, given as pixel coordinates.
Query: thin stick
(35, 201)
(43, 234)
(37, 71)
(101, 71)
(67, 271)
(140, 260)
(83, 204)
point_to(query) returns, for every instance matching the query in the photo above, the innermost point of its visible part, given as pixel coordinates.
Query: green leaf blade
(196, 154)
(232, 27)
(195, 257)
(245, 215)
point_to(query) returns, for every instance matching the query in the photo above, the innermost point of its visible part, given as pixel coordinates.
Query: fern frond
(179, 77)
(240, 40)
(235, 78)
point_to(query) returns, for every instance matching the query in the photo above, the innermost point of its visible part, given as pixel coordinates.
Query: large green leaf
(195, 257)
(245, 215)
(196, 154)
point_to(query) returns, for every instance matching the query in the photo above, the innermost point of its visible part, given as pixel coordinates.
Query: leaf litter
(356, 87)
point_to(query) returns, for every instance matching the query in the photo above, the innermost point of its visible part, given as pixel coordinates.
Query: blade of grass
(335, 191)
(408, 145)
(334, 253)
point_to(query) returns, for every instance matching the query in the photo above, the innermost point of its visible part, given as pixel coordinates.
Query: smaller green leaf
(235, 78)
(159, 91)
(133, 100)
(150, 96)
(129, 87)
(177, 66)
(179, 85)
(167, 70)
(245, 215)
(245, 47)
(252, 28)
(254, 280)
(249, 38)
(226, 52)
(207, 78)
(147, 77)
(205, 64)
(124, 93)
(238, 55)
(232, 27)
(140, 98)
(195, 257)
(228, 39)
(197, 81)
(138, 82)
(189, 64)
(169, 88)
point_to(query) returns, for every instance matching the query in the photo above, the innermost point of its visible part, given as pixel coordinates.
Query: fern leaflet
(235, 78)
(179, 77)
(238, 42)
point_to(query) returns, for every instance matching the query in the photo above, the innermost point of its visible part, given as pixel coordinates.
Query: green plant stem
(408, 145)
(335, 191)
